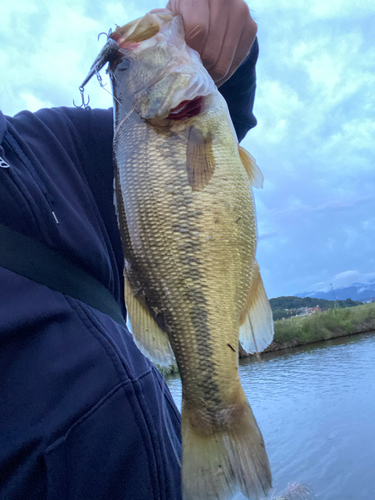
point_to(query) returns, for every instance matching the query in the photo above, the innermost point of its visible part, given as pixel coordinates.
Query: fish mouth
(186, 109)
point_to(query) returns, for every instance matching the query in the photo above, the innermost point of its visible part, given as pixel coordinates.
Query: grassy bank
(167, 370)
(323, 326)
(320, 326)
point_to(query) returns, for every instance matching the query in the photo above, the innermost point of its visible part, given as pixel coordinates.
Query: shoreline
(304, 330)
(276, 346)
(318, 327)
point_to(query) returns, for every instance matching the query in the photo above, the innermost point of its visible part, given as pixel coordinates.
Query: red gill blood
(186, 109)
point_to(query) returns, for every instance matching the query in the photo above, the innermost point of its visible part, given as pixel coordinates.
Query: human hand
(221, 31)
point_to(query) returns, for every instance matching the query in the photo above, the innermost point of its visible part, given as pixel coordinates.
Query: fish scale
(149, 204)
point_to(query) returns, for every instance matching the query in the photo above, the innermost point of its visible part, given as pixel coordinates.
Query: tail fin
(216, 466)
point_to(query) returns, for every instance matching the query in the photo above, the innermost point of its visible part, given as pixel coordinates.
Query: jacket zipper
(3, 163)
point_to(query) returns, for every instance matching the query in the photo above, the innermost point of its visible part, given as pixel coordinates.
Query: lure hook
(102, 33)
(83, 104)
(106, 34)
(107, 53)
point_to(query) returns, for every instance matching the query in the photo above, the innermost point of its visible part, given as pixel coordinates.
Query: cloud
(341, 9)
(265, 236)
(316, 9)
(314, 141)
(32, 103)
(314, 105)
(348, 278)
(47, 49)
(343, 280)
(345, 203)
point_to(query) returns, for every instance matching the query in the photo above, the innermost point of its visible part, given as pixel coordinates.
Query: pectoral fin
(252, 169)
(149, 337)
(200, 162)
(256, 322)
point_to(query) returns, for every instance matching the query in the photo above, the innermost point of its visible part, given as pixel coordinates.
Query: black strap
(30, 258)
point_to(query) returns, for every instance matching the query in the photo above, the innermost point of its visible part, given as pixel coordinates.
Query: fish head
(155, 73)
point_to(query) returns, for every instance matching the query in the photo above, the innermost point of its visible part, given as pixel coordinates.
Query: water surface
(315, 406)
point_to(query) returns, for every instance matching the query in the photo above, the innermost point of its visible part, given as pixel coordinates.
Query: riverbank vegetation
(316, 327)
(324, 325)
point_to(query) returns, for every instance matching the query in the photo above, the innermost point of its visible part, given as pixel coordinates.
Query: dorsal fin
(252, 169)
(256, 321)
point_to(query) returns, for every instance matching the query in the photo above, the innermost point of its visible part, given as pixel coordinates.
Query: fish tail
(216, 466)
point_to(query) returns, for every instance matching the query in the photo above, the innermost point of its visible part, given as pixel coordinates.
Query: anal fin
(152, 341)
(256, 321)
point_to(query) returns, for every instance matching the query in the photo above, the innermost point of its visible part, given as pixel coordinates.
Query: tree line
(284, 307)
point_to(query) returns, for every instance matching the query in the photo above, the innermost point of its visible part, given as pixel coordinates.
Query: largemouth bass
(187, 220)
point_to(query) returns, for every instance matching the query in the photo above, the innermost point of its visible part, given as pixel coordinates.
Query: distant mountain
(356, 291)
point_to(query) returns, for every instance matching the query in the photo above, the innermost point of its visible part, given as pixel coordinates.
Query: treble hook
(106, 34)
(102, 33)
(107, 53)
(83, 104)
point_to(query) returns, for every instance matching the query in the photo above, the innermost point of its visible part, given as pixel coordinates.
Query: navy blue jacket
(83, 414)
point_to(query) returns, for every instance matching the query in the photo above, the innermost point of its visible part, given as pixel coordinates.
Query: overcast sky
(315, 105)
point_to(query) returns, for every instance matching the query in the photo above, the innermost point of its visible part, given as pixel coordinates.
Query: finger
(231, 60)
(239, 57)
(223, 63)
(195, 15)
(160, 11)
(215, 40)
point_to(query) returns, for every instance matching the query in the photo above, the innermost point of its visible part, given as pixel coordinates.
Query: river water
(315, 406)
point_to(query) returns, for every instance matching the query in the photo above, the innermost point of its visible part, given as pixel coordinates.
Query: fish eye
(123, 65)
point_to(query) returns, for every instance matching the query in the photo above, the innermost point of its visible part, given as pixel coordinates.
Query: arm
(239, 92)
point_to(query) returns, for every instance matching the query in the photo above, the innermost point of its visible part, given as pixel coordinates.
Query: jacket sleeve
(239, 92)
